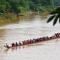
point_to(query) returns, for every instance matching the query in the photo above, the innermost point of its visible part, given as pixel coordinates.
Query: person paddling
(17, 44)
(20, 43)
(13, 45)
(6, 46)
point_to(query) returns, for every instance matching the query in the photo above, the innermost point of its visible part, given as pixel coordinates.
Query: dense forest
(21, 6)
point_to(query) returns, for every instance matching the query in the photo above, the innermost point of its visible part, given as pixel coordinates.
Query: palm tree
(55, 16)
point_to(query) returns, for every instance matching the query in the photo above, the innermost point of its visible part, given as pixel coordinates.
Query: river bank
(10, 18)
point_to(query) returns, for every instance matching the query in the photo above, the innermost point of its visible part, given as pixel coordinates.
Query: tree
(55, 16)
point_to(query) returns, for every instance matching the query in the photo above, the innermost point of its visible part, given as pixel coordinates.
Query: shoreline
(10, 18)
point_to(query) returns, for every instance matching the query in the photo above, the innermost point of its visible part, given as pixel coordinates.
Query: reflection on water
(26, 29)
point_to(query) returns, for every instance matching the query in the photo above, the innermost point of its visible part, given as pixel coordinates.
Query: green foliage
(55, 15)
(21, 6)
(18, 6)
(50, 18)
(39, 6)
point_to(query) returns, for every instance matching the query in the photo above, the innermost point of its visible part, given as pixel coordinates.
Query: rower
(20, 44)
(6, 46)
(13, 45)
(17, 44)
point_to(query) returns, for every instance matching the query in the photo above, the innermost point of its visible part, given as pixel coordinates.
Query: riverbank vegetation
(23, 6)
(12, 9)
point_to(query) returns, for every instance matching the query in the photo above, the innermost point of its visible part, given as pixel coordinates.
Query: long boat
(32, 41)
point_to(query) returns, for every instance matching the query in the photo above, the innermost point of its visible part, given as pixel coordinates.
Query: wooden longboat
(32, 41)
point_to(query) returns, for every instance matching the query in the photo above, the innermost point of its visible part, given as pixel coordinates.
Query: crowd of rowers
(31, 41)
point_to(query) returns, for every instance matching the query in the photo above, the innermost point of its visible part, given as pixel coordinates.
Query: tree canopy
(19, 6)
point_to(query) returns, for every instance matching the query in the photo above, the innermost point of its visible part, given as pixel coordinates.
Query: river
(29, 29)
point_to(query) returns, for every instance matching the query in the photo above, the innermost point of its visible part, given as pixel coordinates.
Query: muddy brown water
(29, 29)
